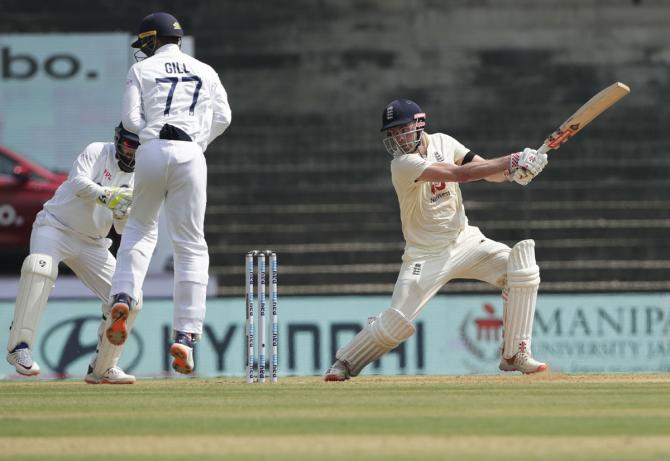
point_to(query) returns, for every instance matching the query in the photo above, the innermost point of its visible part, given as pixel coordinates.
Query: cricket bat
(593, 107)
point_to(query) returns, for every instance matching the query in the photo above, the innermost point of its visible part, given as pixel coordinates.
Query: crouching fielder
(440, 245)
(72, 228)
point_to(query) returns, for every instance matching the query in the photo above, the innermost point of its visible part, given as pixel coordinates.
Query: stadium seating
(302, 169)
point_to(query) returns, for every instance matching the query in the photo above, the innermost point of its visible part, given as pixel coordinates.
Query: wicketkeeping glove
(117, 199)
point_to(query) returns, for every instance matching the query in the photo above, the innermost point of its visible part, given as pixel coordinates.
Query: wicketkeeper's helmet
(125, 142)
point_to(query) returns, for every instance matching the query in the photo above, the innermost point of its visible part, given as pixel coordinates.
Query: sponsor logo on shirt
(437, 197)
(439, 190)
(435, 187)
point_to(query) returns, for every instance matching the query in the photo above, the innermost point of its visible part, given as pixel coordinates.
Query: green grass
(617, 417)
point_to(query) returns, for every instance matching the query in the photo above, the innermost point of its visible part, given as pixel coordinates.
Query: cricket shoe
(22, 359)
(117, 332)
(114, 375)
(522, 362)
(338, 371)
(182, 353)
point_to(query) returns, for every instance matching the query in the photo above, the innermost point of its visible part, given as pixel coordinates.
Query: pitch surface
(549, 417)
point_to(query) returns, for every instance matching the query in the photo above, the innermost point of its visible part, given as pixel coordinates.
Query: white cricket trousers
(173, 172)
(471, 256)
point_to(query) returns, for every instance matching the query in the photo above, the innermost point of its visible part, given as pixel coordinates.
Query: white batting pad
(523, 279)
(106, 354)
(38, 275)
(386, 332)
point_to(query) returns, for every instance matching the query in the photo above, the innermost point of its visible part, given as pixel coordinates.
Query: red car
(24, 187)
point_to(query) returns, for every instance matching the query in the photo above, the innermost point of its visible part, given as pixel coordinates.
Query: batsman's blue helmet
(401, 112)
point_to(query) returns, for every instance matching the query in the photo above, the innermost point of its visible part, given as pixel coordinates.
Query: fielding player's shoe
(117, 333)
(22, 359)
(182, 353)
(338, 371)
(522, 362)
(114, 375)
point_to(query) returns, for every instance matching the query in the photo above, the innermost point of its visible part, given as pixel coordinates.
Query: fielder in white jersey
(441, 245)
(72, 227)
(178, 106)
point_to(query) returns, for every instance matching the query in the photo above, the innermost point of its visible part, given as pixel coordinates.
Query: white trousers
(471, 256)
(173, 173)
(91, 261)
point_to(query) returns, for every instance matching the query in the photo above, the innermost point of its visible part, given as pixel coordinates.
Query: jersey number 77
(173, 81)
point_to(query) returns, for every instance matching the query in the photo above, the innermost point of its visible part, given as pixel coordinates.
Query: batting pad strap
(38, 275)
(523, 279)
(383, 334)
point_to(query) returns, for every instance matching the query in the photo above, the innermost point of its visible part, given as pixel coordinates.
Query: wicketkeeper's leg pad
(523, 279)
(38, 276)
(107, 355)
(387, 331)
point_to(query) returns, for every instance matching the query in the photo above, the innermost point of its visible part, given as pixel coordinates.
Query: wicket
(262, 327)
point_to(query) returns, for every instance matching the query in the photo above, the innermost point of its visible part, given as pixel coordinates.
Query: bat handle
(544, 148)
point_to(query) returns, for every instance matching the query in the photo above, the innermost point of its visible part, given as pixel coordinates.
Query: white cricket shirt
(73, 207)
(175, 88)
(432, 214)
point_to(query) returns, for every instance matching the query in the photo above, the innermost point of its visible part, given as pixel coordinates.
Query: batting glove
(525, 165)
(532, 161)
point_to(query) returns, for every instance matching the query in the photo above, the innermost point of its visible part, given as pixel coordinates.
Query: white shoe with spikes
(22, 360)
(522, 362)
(337, 372)
(114, 375)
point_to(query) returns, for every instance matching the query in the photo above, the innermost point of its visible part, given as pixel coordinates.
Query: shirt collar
(170, 47)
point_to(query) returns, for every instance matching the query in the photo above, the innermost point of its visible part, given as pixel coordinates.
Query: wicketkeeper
(72, 227)
(441, 245)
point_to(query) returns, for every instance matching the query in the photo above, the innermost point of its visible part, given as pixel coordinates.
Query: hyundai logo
(63, 344)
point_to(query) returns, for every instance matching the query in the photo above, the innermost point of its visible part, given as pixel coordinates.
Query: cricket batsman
(72, 227)
(440, 245)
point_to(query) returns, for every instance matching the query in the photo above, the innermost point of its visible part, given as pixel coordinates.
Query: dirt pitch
(548, 416)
